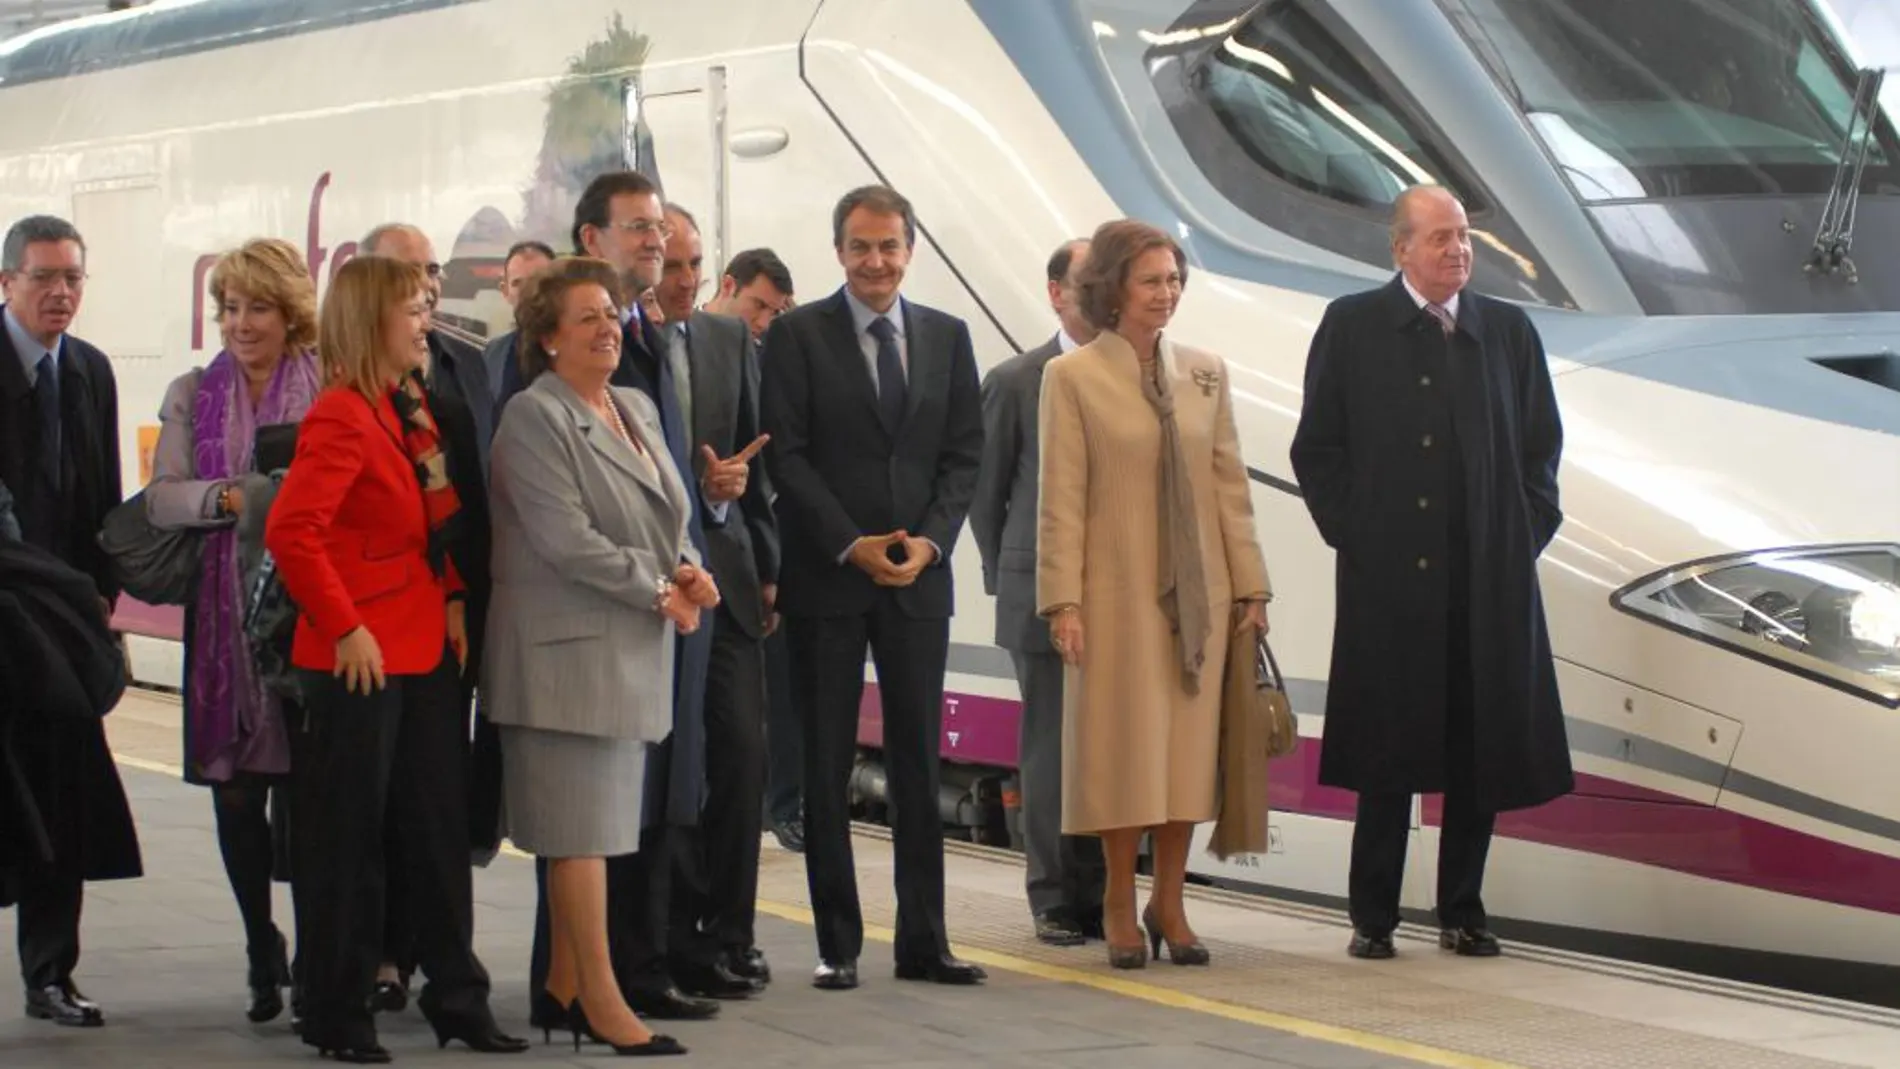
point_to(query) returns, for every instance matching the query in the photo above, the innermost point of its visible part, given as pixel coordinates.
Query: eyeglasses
(643, 227)
(46, 276)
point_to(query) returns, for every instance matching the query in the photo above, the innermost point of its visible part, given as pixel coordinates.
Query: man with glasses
(59, 454)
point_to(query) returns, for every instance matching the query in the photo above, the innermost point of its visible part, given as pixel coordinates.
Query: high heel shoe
(656, 1044)
(1179, 953)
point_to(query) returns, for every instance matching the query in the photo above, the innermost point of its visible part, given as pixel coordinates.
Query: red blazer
(351, 540)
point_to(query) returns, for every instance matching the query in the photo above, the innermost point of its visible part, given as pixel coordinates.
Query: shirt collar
(861, 313)
(1451, 306)
(27, 346)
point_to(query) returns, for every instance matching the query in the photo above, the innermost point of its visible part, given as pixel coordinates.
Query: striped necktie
(1445, 321)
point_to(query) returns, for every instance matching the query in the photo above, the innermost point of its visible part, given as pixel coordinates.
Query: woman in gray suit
(593, 577)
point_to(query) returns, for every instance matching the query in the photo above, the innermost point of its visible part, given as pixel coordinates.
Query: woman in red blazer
(360, 532)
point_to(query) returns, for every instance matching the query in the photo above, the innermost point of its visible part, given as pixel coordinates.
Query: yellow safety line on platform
(1150, 993)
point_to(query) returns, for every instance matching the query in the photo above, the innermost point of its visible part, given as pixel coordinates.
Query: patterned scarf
(227, 707)
(423, 441)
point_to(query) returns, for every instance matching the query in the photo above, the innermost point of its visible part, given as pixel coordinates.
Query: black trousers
(828, 679)
(784, 736)
(718, 883)
(1383, 822)
(381, 782)
(1066, 873)
(48, 922)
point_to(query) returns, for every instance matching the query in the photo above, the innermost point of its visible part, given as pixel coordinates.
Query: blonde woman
(360, 532)
(235, 740)
(1145, 554)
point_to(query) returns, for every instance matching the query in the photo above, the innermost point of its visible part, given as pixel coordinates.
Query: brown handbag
(1283, 729)
(1256, 725)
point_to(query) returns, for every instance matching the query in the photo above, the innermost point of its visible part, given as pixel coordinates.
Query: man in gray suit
(1065, 871)
(710, 937)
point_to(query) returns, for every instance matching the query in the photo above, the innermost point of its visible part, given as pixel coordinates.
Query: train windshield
(1649, 99)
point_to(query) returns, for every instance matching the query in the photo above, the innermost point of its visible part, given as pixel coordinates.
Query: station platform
(164, 956)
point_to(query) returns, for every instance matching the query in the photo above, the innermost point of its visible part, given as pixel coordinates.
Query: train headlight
(1831, 613)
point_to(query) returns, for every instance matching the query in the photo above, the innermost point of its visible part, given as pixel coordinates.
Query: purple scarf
(235, 723)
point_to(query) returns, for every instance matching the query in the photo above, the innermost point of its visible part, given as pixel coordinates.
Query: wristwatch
(659, 599)
(224, 500)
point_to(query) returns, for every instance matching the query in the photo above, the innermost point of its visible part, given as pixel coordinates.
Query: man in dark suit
(757, 287)
(877, 432)
(523, 260)
(1065, 871)
(1428, 442)
(711, 936)
(59, 454)
(619, 219)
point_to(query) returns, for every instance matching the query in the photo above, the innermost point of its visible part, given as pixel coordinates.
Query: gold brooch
(1206, 380)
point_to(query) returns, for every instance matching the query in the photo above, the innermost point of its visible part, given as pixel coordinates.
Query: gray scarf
(1183, 580)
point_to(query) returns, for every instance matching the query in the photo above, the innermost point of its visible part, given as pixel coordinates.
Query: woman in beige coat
(1145, 553)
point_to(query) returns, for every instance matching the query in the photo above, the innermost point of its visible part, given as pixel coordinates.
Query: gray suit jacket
(495, 356)
(1003, 514)
(742, 552)
(584, 530)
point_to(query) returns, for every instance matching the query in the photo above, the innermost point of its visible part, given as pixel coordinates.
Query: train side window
(1288, 123)
(1302, 107)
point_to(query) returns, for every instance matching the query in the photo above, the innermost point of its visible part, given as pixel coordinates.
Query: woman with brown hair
(1145, 549)
(361, 532)
(595, 577)
(204, 479)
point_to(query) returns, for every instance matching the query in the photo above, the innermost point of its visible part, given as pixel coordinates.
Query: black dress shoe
(670, 1004)
(1089, 921)
(790, 836)
(389, 996)
(62, 1004)
(716, 981)
(1469, 942)
(1376, 946)
(479, 1032)
(840, 977)
(1057, 930)
(942, 969)
(749, 964)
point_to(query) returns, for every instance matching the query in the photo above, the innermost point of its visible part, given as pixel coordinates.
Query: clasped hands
(692, 590)
(871, 553)
(1065, 627)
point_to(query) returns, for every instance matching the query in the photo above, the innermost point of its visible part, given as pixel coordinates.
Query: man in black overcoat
(1427, 453)
(59, 454)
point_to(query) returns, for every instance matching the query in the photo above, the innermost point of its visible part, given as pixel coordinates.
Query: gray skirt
(571, 795)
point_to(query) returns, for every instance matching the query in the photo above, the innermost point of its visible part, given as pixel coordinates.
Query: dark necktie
(890, 374)
(46, 396)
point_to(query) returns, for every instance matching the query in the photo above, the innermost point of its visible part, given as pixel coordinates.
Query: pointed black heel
(656, 1045)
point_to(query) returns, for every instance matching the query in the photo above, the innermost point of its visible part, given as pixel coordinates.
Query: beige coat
(1137, 749)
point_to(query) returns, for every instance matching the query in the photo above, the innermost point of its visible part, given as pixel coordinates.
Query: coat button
(1423, 564)
(1424, 502)
(1424, 380)
(1426, 441)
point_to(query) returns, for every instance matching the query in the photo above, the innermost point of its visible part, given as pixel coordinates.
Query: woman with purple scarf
(236, 740)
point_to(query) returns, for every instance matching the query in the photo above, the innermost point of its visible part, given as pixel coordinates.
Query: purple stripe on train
(1604, 817)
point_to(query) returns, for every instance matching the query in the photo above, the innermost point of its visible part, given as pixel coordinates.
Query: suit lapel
(601, 438)
(711, 386)
(922, 363)
(850, 355)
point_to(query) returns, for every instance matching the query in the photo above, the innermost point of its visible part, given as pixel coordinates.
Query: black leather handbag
(156, 566)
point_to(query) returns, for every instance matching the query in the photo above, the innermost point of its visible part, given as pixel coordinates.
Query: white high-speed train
(1652, 178)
